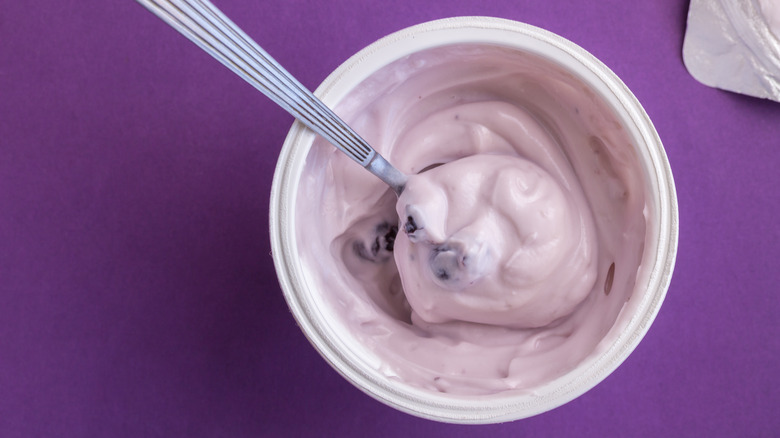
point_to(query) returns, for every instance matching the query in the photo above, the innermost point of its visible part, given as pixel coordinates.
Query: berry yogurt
(548, 192)
(530, 249)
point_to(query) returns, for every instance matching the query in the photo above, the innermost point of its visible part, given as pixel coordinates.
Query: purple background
(138, 297)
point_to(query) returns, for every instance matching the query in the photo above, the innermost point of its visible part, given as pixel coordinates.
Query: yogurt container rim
(307, 307)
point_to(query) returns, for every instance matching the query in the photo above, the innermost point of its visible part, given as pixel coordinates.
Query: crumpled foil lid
(734, 45)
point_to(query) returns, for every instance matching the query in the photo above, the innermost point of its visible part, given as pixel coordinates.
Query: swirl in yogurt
(494, 239)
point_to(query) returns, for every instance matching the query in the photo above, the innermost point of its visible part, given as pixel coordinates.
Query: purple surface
(138, 297)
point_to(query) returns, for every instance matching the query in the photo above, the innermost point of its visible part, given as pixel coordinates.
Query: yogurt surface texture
(494, 239)
(507, 260)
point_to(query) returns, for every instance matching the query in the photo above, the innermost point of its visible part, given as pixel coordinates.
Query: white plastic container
(345, 353)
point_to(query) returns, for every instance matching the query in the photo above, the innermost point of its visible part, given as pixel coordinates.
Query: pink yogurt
(500, 275)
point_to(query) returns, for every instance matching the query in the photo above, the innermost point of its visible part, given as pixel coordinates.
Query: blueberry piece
(444, 263)
(377, 246)
(410, 226)
(442, 274)
(390, 237)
